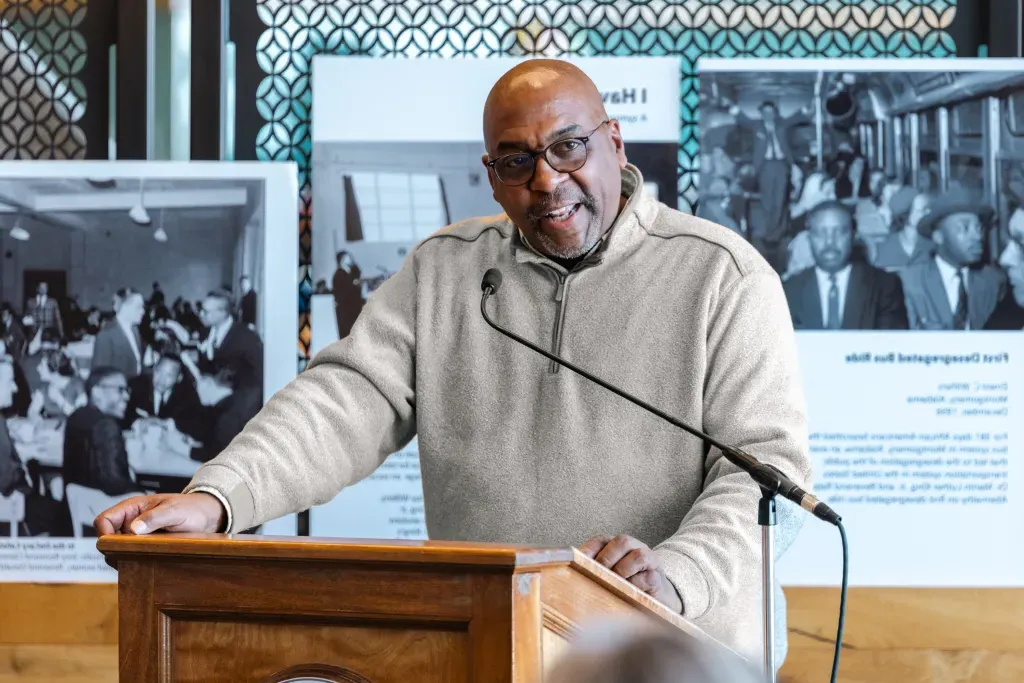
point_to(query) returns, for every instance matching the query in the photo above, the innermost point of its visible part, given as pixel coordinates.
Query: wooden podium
(214, 607)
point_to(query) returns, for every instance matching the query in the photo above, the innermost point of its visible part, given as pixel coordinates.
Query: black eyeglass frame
(584, 139)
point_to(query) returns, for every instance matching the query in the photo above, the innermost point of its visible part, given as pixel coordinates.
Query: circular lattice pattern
(42, 98)
(296, 30)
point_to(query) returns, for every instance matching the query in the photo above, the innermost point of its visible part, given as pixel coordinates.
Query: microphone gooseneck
(491, 282)
(767, 477)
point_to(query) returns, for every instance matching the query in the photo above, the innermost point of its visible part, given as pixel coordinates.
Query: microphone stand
(767, 477)
(766, 519)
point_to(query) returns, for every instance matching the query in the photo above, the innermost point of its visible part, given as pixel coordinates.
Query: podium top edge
(310, 548)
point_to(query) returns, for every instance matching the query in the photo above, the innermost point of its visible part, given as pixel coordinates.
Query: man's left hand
(637, 563)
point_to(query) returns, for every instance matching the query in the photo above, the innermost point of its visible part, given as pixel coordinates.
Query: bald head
(553, 156)
(539, 82)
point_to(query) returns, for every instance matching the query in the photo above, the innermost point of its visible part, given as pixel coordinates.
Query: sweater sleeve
(753, 398)
(331, 426)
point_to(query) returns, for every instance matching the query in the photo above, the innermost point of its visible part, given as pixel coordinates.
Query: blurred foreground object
(643, 651)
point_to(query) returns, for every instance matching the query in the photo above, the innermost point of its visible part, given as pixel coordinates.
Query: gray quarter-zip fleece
(678, 311)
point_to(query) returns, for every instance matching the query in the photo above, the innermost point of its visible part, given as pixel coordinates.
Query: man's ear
(487, 169)
(618, 143)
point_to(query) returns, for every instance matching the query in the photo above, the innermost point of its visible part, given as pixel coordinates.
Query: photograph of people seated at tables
(886, 199)
(130, 339)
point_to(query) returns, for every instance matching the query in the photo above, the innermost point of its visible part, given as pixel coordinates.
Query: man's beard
(550, 246)
(565, 251)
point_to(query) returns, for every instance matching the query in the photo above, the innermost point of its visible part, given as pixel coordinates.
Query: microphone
(767, 477)
(491, 282)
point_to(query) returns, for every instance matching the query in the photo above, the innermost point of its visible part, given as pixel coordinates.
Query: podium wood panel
(67, 633)
(388, 655)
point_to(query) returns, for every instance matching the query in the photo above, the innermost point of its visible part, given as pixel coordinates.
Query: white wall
(16, 257)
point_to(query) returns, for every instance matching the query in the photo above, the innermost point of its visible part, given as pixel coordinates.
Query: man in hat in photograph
(842, 292)
(772, 159)
(954, 290)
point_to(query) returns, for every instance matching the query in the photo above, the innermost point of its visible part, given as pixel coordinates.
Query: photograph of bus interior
(900, 150)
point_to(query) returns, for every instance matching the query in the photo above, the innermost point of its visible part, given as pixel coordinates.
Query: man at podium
(676, 310)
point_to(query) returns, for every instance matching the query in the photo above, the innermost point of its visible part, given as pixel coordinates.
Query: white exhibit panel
(113, 277)
(443, 100)
(913, 386)
(914, 442)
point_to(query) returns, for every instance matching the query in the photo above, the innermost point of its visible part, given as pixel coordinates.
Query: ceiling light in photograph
(19, 233)
(138, 212)
(160, 235)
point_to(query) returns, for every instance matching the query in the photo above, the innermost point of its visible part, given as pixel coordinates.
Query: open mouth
(560, 218)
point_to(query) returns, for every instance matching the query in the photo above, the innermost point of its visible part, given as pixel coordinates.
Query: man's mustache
(543, 208)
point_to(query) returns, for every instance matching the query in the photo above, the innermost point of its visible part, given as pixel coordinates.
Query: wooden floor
(68, 634)
(908, 635)
(58, 633)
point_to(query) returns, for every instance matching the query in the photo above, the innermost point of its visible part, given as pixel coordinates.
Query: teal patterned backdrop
(43, 54)
(296, 30)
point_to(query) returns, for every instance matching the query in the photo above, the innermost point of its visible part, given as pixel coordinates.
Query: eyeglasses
(120, 388)
(565, 156)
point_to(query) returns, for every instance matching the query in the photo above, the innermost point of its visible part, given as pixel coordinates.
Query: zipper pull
(560, 292)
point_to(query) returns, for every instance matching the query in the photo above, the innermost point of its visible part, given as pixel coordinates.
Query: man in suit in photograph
(247, 303)
(12, 333)
(772, 161)
(954, 290)
(167, 395)
(838, 292)
(119, 344)
(43, 312)
(95, 455)
(230, 346)
(227, 410)
(347, 287)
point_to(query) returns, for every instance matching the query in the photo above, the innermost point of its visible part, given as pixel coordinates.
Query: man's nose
(545, 178)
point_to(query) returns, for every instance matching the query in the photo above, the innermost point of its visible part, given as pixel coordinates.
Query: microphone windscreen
(492, 279)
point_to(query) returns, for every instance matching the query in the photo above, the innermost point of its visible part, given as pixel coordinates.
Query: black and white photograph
(133, 334)
(887, 195)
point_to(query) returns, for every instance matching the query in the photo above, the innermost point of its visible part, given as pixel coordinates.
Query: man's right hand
(197, 512)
